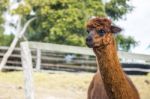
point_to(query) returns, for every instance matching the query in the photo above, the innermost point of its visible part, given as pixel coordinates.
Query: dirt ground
(59, 85)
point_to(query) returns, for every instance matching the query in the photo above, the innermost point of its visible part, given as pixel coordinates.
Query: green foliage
(23, 10)
(116, 9)
(61, 21)
(5, 40)
(125, 43)
(3, 5)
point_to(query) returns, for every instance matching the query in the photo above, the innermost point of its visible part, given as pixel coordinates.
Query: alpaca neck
(116, 85)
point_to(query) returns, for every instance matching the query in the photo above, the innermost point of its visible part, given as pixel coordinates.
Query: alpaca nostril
(88, 39)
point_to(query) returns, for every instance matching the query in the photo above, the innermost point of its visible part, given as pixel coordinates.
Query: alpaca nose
(89, 39)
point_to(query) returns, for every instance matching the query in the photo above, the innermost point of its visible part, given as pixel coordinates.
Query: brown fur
(110, 82)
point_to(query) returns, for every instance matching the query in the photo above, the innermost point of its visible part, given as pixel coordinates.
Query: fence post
(38, 59)
(28, 70)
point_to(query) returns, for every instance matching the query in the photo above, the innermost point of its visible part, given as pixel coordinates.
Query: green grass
(63, 85)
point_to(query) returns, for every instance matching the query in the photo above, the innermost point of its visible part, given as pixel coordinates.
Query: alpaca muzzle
(89, 42)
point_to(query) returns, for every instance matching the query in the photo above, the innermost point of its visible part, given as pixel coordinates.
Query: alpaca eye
(101, 32)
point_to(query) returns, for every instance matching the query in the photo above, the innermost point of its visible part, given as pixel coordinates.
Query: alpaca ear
(115, 29)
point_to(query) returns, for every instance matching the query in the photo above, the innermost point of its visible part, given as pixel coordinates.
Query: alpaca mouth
(92, 45)
(89, 44)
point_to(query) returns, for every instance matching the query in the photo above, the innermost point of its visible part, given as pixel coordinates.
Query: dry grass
(59, 85)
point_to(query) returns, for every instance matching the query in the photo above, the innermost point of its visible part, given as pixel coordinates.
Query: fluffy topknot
(99, 23)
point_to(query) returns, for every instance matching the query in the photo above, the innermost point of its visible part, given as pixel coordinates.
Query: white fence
(125, 57)
(54, 56)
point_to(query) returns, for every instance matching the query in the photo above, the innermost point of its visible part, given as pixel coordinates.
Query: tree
(3, 7)
(125, 43)
(60, 21)
(5, 39)
(117, 9)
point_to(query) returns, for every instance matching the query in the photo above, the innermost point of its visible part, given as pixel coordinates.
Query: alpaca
(109, 82)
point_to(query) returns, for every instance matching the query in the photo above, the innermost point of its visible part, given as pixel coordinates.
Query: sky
(137, 25)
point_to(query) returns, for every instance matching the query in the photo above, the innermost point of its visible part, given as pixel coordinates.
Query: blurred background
(62, 22)
(64, 75)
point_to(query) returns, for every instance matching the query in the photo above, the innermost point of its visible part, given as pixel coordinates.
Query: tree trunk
(18, 35)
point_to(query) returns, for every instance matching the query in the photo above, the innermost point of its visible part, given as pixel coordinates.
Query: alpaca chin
(90, 45)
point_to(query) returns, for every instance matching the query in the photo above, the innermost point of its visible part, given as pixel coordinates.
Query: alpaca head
(100, 32)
